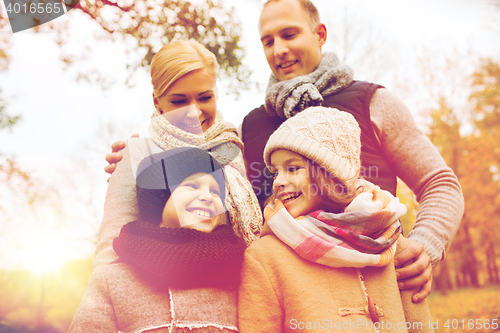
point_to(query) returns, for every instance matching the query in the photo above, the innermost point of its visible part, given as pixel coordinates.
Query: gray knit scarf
(287, 98)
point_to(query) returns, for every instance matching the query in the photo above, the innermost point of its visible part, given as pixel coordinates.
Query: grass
(465, 309)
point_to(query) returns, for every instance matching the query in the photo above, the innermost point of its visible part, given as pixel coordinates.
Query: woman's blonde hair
(177, 59)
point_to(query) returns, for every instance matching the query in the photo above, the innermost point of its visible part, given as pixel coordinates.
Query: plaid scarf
(364, 234)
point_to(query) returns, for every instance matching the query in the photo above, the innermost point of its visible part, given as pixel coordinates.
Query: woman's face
(190, 103)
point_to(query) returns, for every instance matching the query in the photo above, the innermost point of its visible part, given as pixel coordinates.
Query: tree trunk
(444, 281)
(458, 280)
(465, 275)
(470, 265)
(491, 264)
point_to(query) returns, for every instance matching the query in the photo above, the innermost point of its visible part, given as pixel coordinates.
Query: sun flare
(42, 243)
(46, 254)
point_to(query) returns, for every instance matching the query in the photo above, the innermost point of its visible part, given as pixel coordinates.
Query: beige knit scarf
(286, 98)
(222, 141)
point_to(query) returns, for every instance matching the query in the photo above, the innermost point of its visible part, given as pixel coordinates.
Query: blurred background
(71, 87)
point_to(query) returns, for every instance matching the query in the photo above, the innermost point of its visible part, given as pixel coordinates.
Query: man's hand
(413, 269)
(115, 156)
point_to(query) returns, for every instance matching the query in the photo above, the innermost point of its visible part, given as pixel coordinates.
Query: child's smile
(201, 212)
(292, 184)
(288, 197)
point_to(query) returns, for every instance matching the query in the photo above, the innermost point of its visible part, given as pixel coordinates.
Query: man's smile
(287, 64)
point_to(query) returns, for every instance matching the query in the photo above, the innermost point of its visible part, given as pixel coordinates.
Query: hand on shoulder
(115, 156)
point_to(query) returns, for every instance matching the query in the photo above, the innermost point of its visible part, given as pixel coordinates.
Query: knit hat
(327, 136)
(160, 174)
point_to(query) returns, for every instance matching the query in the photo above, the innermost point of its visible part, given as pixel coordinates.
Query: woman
(183, 74)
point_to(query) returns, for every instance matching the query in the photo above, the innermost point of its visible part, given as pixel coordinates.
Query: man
(392, 145)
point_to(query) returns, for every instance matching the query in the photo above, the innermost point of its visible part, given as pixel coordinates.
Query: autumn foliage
(144, 26)
(470, 145)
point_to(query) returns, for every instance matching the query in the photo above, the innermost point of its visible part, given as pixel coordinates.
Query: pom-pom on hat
(327, 136)
(160, 174)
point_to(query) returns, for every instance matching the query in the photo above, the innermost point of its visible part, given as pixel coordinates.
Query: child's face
(292, 184)
(195, 203)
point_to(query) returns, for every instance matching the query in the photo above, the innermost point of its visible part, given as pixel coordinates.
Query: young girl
(184, 75)
(178, 266)
(324, 260)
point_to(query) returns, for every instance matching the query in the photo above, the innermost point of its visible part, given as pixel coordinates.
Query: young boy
(178, 267)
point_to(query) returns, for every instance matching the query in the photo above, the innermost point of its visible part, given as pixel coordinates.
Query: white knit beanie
(327, 136)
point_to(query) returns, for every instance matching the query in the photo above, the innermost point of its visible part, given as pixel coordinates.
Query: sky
(64, 132)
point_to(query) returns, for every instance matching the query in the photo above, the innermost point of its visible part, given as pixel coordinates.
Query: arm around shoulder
(120, 207)
(419, 164)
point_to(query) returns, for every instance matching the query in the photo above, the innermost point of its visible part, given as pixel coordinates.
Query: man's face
(291, 47)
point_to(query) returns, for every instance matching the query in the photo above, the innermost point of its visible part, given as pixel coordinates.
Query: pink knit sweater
(417, 162)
